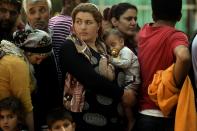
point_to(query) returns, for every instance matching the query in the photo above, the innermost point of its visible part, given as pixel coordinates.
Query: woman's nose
(63, 129)
(133, 21)
(83, 25)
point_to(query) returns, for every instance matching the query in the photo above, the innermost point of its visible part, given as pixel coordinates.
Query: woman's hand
(106, 69)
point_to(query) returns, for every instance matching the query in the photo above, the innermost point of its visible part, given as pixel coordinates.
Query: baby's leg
(128, 104)
(130, 118)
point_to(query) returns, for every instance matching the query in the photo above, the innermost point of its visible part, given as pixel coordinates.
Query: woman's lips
(83, 34)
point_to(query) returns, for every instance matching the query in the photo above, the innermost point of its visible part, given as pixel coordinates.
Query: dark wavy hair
(17, 3)
(169, 10)
(120, 9)
(106, 13)
(14, 105)
(58, 114)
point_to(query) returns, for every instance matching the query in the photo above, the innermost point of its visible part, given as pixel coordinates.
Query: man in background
(9, 12)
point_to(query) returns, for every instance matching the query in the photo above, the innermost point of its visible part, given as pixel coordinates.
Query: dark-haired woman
(123, 17)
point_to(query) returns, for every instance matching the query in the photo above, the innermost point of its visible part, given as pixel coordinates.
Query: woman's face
(127, 22)
(36, 58)
(85, 27)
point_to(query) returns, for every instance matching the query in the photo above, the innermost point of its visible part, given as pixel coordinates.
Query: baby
(122, 57)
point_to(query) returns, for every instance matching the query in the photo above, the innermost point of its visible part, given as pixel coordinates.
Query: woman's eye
(78, 22)
(131, 18)
(89, 22)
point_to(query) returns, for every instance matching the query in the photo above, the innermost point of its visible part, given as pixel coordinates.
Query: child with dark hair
(11, 114)
(59, 119)
(160, 47)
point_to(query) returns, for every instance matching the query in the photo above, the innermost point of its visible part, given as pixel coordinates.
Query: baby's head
(11, 113)
(114, 41)
(59, 119)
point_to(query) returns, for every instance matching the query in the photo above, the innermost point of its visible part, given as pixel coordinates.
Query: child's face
(8, 120)
(114, 42)
(63, 125)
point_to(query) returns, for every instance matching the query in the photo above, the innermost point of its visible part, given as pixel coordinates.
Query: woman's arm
(80, 67)
(194, 58)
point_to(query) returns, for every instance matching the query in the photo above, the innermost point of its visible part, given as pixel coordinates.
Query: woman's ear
(114, 21)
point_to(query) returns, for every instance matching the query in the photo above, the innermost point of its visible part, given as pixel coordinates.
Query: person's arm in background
(182, 64)
(194, 58)
(29, 119)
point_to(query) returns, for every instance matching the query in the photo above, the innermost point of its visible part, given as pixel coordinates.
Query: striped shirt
(61, 27)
